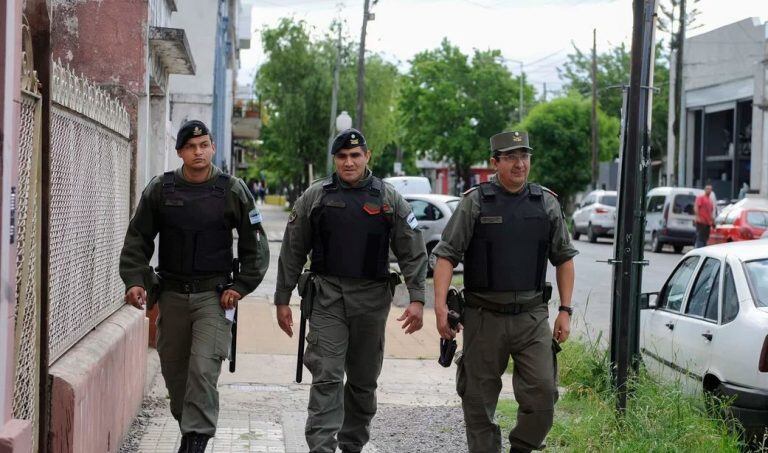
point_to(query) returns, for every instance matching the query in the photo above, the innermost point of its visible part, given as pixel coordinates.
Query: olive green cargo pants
(489, 341)
(193, 339)
(340, 413)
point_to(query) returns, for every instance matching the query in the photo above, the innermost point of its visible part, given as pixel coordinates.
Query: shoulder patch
(550, 191)
(469, 191)
(412, 222)
(254, 216)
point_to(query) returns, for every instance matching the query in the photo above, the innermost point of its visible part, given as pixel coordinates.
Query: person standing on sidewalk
(347, 221)
(504, 231)
(194, 210)
(703, 209)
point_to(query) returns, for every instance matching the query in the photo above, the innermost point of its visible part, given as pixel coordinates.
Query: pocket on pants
(461, 376)
(223, 338)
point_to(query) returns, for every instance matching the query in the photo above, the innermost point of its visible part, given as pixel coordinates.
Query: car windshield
(608, 200)
(758, 281)
(452, 204)
(683, 204)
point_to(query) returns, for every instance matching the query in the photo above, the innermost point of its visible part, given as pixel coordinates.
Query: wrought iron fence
(26, 235)
(90, 163)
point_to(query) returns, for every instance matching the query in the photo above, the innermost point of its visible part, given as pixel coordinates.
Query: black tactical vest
(510, 242)
(350, 231)
(195, 236)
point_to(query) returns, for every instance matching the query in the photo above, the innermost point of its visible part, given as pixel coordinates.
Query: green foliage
(613, 73)
(451, 105)
(294, 85)
(659, 416)
(560, 136)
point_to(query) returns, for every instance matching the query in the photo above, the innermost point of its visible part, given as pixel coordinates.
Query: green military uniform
(348, 318)
(193, 333)
(491, 336)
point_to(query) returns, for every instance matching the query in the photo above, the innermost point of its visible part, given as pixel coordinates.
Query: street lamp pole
(522, 86)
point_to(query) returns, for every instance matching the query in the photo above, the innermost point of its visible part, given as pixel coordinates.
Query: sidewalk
(263, 410)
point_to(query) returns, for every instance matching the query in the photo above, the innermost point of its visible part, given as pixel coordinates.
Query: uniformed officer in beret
(348, 222)
(504, 231)
(194, 210)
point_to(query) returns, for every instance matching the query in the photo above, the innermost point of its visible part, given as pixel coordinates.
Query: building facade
(724, 127)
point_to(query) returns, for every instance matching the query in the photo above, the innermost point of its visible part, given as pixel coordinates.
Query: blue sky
(538, 32)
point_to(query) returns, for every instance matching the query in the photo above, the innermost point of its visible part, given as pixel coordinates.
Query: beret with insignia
(191, 129)
(348, 139)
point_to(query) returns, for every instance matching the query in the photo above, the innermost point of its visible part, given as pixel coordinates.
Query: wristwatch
(568, 310)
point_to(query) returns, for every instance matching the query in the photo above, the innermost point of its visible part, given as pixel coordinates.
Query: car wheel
(678, 248)
(576, 233)
(430, 262)
(656, 244)
(591, 234)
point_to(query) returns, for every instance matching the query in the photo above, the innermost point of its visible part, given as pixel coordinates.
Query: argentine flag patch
(412, 222)
(254, 216)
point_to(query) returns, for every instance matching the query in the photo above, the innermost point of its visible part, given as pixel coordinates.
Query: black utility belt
(193, 286)
(505, 309)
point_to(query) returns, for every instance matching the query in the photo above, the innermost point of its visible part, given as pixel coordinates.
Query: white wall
(198, 19)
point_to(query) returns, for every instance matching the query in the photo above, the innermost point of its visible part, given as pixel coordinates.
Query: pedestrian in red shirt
(704, 209)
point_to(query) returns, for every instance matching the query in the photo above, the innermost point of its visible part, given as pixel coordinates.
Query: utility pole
(594, 111)
(334, 102)
(361, 67)
(545, 91)
(635, 160)
(682, 23)
(671, 115)
(522, 85)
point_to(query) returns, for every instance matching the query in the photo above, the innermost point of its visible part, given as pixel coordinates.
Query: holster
(306, 287)
(547, 292)
(394, 280)
(455, 302)
(152, 283)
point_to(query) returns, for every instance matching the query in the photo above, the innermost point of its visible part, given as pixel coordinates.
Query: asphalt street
(592, 290)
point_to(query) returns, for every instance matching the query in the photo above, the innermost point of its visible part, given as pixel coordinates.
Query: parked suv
(596, 215)
(669, 217)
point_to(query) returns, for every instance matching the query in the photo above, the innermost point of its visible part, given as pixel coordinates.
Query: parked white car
(596, 215)
(708, 326)
(410, 184)
(432, 212)
(669, 217)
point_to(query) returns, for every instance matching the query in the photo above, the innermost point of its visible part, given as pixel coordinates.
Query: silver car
(596, 215)
(432, 211)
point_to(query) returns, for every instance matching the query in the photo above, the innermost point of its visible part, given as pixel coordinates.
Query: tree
(559, 132)
(450, 106)
(612, 74)
(294, 86)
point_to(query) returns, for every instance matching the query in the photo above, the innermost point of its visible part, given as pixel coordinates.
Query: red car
(739, 224)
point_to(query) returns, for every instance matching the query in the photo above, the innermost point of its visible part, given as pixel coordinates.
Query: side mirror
(648, 300)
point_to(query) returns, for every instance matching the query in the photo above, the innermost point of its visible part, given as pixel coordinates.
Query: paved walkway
(263, 410)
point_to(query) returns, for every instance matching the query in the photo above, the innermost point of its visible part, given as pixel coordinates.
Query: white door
(696, 328)
(659, 324)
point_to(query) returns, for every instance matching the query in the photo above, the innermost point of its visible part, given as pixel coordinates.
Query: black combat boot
(197, 443)
(184, 441)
